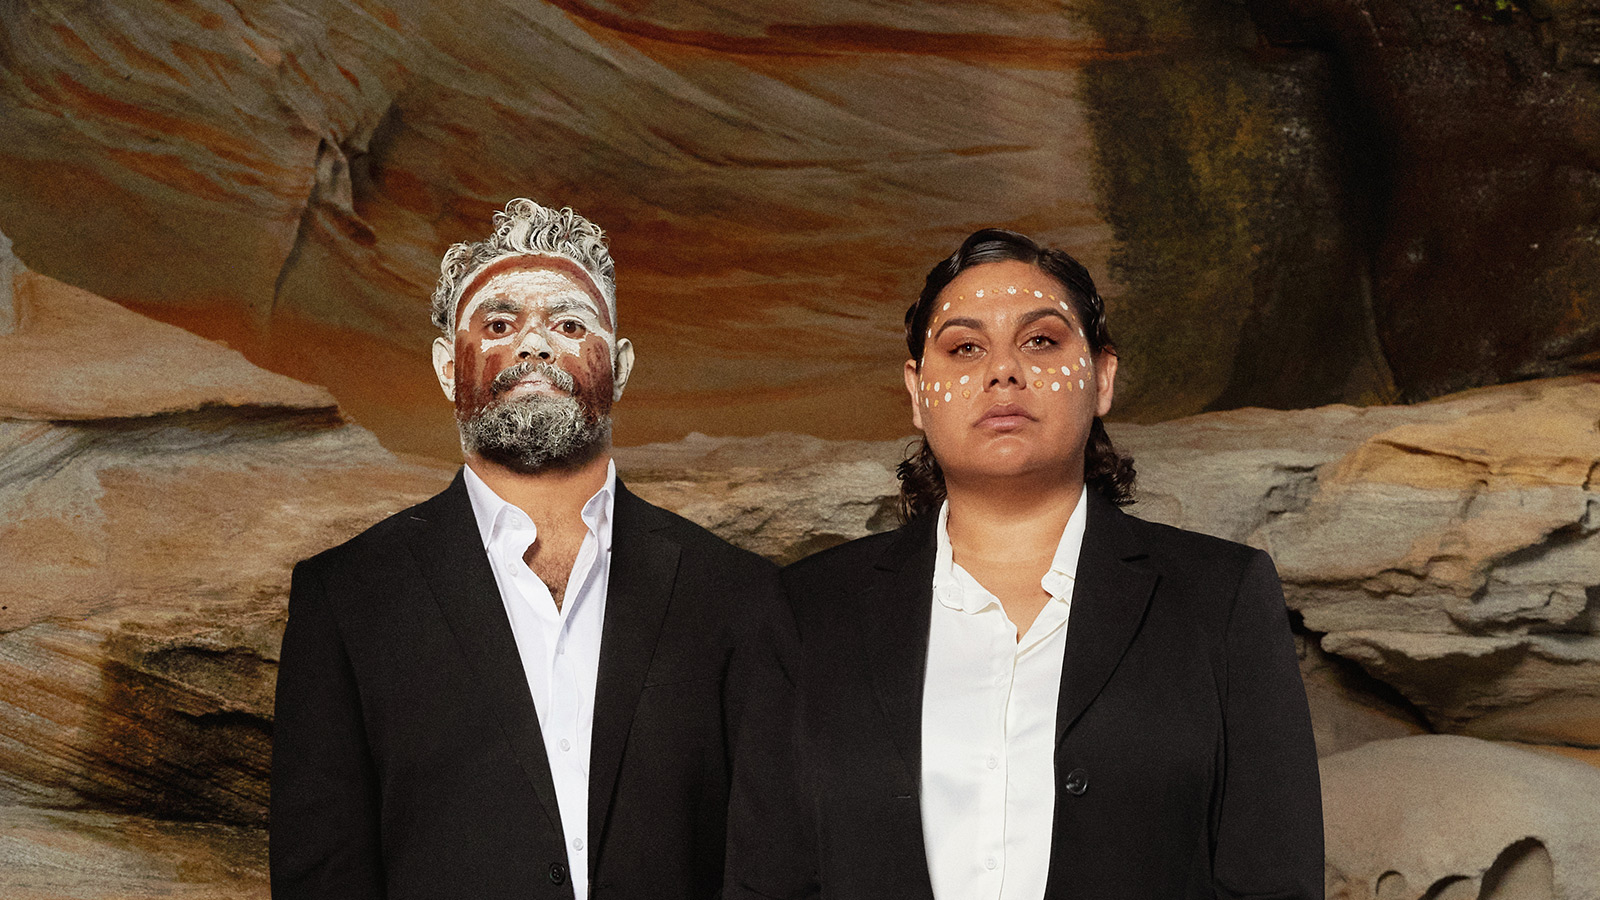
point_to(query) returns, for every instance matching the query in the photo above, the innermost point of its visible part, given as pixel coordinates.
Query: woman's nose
(1004, 367)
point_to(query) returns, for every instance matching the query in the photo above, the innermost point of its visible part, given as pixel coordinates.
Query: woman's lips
(1004, 417)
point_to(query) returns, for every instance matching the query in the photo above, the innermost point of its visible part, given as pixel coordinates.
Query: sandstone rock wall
(153, 496)
(1288, 203)
(1440, 560)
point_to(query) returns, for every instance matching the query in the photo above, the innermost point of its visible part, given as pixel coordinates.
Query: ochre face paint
(532, 312)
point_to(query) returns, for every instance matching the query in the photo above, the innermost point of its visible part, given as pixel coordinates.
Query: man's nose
(535, 344)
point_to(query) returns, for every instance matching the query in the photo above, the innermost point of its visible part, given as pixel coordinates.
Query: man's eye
(571, 328)
(499, 326)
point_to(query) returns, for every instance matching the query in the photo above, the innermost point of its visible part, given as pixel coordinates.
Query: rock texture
(283, 176)
(784, 496)
(57, 368)
(149, 516)
(1479, 123)
(53, 855)
(1450, 548)
(1444, 817)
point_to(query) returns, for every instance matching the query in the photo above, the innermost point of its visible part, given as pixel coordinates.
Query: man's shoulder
(388, 536)
(700, 542)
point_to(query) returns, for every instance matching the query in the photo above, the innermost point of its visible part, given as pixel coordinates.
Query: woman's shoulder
(1193, 558)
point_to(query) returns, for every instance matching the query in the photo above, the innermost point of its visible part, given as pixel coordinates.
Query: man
(529, 685)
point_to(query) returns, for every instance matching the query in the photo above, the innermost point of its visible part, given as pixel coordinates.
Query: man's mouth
(532, 374)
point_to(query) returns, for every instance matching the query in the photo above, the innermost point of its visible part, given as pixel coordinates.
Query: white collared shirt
(989, 729)
(560, 649)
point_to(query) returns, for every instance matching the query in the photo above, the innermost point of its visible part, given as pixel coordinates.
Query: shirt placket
(1002, 643)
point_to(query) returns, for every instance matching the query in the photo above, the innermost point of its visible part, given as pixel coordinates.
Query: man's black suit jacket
(1185, 766)
(407, 758)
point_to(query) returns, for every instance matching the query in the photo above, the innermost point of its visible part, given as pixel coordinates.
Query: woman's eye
(965, 349)
(1039, 342)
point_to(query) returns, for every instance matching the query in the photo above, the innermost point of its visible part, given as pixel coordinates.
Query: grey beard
(535, 431)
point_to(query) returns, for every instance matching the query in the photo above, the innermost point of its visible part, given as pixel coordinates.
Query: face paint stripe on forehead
(550, 261)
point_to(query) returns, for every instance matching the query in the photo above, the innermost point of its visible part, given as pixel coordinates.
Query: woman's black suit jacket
(1185, 766)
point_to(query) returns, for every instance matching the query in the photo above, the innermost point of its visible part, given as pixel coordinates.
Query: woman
(1024, 692)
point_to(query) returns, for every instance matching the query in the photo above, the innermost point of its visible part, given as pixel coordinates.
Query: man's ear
(621, 368)
(444, 366)
(913, 387)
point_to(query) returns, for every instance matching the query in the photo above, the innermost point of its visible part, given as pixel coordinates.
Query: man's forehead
(534, 278)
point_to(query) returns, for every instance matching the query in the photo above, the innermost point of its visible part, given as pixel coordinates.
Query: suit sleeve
(1269, 833)
(324, 827)
(770, 842)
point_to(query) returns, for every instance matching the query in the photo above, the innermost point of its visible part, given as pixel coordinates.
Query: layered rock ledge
(1441, 561)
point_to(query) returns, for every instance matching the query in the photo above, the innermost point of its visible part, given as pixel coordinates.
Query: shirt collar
(954, 587)
(495, 515)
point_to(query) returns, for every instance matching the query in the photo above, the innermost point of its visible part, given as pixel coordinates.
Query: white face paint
(559, 299)
(534, 312)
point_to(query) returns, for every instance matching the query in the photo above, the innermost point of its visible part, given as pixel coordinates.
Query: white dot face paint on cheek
(947, 396)
(1080, 384)
(1055, 385)
(966, 378)
(1037, 370)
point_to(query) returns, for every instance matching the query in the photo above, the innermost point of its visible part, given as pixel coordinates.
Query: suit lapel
(644, 567)
(445, 541)
(1108, 603)
(897, 612)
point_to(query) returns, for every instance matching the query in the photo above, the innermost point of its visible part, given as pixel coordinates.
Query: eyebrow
(1027, 319)
(499, 304)
(560, 304)
(568, 303)
(1038, 314)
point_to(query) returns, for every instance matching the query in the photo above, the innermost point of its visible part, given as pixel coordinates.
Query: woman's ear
(912, 388)
(1105, 381)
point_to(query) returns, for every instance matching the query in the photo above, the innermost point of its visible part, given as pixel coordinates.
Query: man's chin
(530, 432)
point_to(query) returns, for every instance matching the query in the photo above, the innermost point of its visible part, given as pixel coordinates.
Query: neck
(1009, 518)
(548, 496)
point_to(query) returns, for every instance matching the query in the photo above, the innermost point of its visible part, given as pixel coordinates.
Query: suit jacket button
(1077, 782)
(558, 873)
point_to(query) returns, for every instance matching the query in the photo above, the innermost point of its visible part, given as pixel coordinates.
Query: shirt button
(994, 761)
(990, 863)
(577, 843)
(567, 745)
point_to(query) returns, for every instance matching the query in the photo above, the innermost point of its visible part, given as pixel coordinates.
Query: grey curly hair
(525, 227)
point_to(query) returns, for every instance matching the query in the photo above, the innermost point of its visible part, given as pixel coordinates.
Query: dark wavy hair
(1104, 469)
